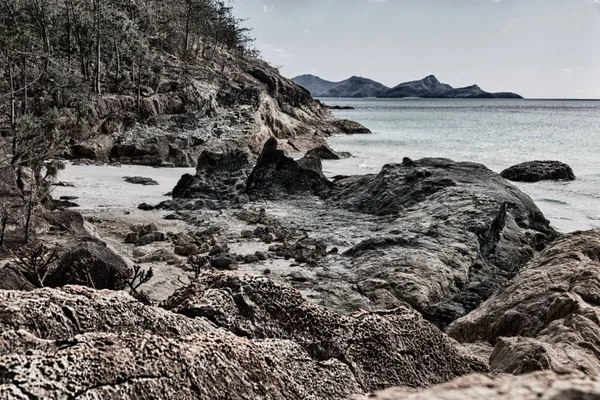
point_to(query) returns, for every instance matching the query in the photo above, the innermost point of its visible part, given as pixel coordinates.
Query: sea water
(496, 133)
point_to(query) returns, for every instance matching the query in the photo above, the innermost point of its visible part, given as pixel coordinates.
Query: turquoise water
(496, 133)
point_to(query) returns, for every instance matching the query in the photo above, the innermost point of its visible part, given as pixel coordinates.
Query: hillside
(428, 87)
(147, 82)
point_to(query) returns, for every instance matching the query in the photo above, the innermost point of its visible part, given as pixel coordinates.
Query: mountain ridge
(428, 87)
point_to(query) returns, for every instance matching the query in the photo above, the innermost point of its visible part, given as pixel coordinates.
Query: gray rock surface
(535, 171)
(140, 180)
(546, 317)
(373, 345)
(78, 342)
(453, 234)
(537, 386)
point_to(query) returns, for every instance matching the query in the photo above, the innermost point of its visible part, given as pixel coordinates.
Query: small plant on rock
(35, 263)
(136, 277)
(195, 264)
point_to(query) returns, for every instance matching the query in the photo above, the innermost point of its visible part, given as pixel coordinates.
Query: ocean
(496, 133)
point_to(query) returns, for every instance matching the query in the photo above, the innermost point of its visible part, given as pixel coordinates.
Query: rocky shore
(271, 281)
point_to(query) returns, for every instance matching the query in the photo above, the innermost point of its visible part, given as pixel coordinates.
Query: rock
(538, 386)
(297, 276)
(259, 232)
(336, 107)
(138, 253)
(261, 256)
(173, 217)
(62, 204)
(277, 176)
(219, 176)
(183, 239)
(217, 249)
(372, 344)
(139, 180)
(351, 127)
(11, 280)
(222, 262)
(535, 171)
(106, 268)
(325, 152)
(187, 250)
(250, 258)
(247, 234)
(146, 239)
(150, 228)
(145, 207)
(268, 238)
(545, 318)
(132, 237)
(449, 235)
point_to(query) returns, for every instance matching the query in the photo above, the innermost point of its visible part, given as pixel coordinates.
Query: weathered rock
(535, 171)
(219, 176)
(82, 343)
(222, 262)
(546, 317)
(105, 267)
(453, 233)
(389, 348)
(537, 386)
(146, 207)
(277, 176)
(186, 250)
(325, 152)
(140, 180)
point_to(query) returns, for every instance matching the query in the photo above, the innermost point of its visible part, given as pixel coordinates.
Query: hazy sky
(538, 48)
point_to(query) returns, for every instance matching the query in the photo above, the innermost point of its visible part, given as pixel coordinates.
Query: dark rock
(259, 232)
(297, 276)
(336, 107)
(262, 256)
(247, 234)
(268, 238)
(139, 180)
(186, 250)
(535, 171)
(132, 237)
(325, 152)
(250, 258)
(62, 204)
(222, 262)
(172, 217)
(219, 176)
(11, 280)
(351, 127)
(145, 207)
(105, 266)
(146, 239)
(276, 176)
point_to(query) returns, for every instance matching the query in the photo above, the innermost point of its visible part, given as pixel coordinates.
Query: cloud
(265, 8)
(377, 1)
(567, 70)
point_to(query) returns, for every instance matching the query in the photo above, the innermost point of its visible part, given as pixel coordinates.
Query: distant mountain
(353, 87)
(428, 87)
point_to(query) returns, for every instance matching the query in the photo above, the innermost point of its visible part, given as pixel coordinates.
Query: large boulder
(448, 235)
(81, 343)
(277, 176)
(106, 268)
(547, 316)
(381, 348)
(537, 386)
(219, 176)
(535, 171)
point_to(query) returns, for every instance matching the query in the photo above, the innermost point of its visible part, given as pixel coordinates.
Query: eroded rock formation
(535, 171)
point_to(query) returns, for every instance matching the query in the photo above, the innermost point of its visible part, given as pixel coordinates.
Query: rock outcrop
(537, 386)
(240, 338)
(277, 176)
(373, 345)
(215, 108)
(219, 176)
(546, 317)
(450, 235)
(105, 267)
(535, 171)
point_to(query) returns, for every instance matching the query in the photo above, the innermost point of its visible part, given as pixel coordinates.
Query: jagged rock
(105, 266)
(537, 386)
(350, 127)
(389, 348)
(450, 235)
(186, 250)
(139, 180)
(325, 152)
(535, 171)
(145, 207)
(276, 176)
(222, 262)
(77, 342)
(219, 176)
(546, 317)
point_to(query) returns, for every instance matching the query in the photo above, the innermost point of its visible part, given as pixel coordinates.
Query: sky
(537, 48)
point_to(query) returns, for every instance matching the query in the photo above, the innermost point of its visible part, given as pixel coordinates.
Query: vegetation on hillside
(59, 56)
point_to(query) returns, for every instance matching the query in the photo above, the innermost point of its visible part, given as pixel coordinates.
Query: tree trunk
(69, 49)
(97, 86)
(187, 28)
(139, 89)
(25, 98)
(118, 57)
(28, 216)
(3, 223)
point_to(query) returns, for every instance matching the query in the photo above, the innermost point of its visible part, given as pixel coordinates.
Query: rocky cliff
(228, 102)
